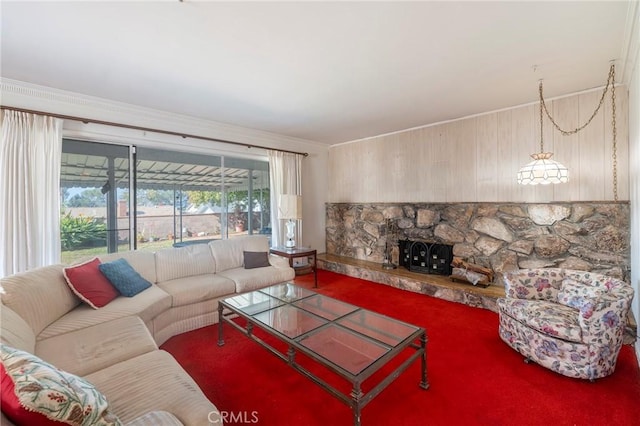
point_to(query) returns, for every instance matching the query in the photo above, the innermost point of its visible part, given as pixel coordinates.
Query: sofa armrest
(533, 284)
(279, 261)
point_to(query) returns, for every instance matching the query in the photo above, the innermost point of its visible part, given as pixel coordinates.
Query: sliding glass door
(95, 202)
(178, 198)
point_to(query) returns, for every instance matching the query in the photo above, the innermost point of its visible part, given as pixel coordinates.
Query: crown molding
(19, 94)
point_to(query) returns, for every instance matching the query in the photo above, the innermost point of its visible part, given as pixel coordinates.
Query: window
(180, 198)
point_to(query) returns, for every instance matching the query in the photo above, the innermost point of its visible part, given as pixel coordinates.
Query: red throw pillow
(89, 284)
(11, 405)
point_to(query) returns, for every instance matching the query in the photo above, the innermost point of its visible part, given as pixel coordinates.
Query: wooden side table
(292, 253)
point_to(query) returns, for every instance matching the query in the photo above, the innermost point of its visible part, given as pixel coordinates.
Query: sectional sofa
(115, 347)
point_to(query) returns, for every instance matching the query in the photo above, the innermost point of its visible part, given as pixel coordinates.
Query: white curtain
(30, 158)
(285, 173)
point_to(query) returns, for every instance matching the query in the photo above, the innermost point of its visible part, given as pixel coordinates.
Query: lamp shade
(290, 207)
(543, 171)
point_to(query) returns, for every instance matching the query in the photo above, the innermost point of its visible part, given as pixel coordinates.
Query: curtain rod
(147, 129)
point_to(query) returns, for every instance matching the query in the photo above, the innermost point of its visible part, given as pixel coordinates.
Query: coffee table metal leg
(220, 337)
(424, 384)
(291, 354)
(315, 271)
(356, 396)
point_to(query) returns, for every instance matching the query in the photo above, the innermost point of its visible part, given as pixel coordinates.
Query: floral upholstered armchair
(571, 322)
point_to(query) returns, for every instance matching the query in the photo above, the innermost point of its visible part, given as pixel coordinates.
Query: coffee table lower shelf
(356, 399)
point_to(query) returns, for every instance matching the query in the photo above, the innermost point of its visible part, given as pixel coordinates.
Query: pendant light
(543, 170)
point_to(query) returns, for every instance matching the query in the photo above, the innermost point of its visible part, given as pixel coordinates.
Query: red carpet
(475, 378)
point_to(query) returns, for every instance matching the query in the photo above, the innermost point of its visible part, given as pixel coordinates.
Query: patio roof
(156, 170)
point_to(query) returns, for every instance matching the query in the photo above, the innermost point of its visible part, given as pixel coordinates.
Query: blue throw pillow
(124, 277)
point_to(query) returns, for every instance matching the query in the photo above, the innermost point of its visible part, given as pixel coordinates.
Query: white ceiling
(327, 72)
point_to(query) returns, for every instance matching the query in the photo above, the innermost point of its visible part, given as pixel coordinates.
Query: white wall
(314, 183)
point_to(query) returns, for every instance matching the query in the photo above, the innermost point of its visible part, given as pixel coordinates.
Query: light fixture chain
(541, 135)
(615, 137)
(610, 81)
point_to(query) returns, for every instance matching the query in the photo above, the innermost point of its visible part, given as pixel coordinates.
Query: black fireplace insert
(424, 257)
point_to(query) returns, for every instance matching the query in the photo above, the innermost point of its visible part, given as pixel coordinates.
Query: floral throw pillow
(42, 388)
(579, 295)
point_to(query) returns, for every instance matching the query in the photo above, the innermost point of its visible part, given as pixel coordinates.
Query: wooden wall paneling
(429, 186)
(623, 144)
(400, 171)
(487, 157)
(449, 142)
(422, 158)
(544, 193)
(591, 144)
(622, 126)
(523, 139)
(431, 164)
(506, 175)
(439, 176)
(462, 160)
(373, 170)
(565, 112)
(352, 161)
(336, 174)
(411, 161)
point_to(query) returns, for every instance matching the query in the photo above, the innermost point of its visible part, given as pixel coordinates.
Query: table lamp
(291, 211)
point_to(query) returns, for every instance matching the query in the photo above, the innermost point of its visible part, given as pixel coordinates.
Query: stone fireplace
(591, 236)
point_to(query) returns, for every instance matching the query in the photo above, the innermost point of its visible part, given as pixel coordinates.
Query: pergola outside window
(180, 198)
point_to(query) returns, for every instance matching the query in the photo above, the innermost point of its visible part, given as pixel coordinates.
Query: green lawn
(72, 256)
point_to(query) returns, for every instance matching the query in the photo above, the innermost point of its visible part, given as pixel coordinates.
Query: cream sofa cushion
(39, 296)
(93, 348)
(172, 263)
(156, 380)
(229, 254)
(15, 331)
(185, 291)
(146, 305)
(144, 262)
(253, 279)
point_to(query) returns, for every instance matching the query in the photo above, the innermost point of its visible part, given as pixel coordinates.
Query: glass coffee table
(347, 340)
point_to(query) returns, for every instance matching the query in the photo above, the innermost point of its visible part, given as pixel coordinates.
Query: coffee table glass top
(378, 327)
(344, 335)
(325, 307)
(289, 320)
(287, 292)
(254, 302)
(344, 348)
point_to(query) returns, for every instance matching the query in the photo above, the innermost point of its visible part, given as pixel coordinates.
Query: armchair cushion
(548, 318)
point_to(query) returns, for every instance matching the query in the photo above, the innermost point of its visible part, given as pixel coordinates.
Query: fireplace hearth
(425, 257)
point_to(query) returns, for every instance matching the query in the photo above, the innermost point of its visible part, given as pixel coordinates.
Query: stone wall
(591, 236)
